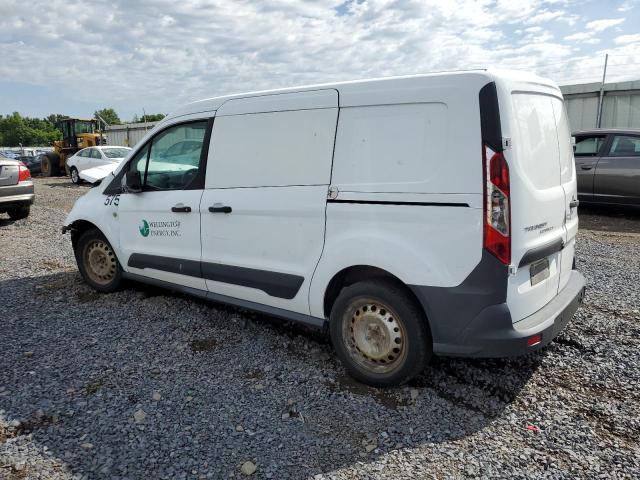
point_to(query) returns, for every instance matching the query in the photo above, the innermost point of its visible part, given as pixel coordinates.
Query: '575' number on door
(112, 200)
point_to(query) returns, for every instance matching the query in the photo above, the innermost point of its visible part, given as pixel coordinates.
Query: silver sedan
(16, 188)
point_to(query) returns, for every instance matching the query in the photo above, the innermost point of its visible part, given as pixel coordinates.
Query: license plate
(539, 271)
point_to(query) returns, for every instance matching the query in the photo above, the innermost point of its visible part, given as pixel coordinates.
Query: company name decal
(160, 229)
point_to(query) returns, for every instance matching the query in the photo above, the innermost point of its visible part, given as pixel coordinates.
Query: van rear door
(569, 181)
(542, 185)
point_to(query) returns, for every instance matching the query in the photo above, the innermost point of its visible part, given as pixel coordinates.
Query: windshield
(84, 127)
(115, 152)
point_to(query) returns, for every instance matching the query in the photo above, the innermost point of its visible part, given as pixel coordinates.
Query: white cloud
(164, 53)
(545, 16)
(593, 27)
(578, 37)
(622, 39)
(625, 6)
(600, 25)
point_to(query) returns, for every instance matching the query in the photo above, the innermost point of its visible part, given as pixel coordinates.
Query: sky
(70, 57)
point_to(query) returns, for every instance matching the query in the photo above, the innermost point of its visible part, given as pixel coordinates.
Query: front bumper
(492, 334)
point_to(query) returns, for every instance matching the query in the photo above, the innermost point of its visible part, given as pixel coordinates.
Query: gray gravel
(144, 383)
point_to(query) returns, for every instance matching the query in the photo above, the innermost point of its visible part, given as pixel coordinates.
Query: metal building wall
(620, 106)
(128, 134)
(621, 109)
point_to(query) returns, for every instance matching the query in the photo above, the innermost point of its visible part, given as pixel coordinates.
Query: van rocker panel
(276, 284)
(214, 297)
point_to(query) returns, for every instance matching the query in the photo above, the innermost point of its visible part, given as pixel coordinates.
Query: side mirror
(131, 182)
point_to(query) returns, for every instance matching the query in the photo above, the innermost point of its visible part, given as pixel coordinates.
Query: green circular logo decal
(144, 228)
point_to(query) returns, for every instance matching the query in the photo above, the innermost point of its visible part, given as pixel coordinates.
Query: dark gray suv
(608, 166)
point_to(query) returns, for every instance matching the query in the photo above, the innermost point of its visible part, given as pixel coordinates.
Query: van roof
(375, 86)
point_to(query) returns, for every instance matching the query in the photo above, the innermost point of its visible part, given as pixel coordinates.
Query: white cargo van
(420, 215)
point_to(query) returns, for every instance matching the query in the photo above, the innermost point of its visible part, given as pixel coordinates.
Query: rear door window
(537, 149)
(625, 146)
(588, 146)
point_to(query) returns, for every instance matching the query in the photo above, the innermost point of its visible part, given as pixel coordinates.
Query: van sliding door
(263, 209)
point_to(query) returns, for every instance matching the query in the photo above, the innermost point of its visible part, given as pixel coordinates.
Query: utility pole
(104, 123)
(604, 76)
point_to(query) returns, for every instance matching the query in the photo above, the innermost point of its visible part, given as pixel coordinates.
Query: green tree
(54, 118)
(149, 117)
(16, 129)
(109, 115)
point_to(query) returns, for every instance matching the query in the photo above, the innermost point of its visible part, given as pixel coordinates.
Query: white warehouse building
(128, 134)
(620, 105)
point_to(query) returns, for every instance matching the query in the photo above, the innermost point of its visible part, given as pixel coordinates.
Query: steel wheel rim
(74, 175)
(100, 262)
(374, 336)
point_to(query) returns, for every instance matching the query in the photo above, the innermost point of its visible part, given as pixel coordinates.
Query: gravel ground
(144, 383)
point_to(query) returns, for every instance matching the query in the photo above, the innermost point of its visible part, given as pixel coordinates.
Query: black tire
(19, 213)
(50, 165)
(75, 177)
(97, 261)
(409, 348)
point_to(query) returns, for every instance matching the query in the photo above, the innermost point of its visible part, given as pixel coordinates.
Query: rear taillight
(497, 214)
(23, 173)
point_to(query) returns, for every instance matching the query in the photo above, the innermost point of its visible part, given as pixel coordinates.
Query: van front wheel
(380, 334)
(97, 261)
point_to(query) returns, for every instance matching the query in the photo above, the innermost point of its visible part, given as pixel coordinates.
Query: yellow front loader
(77, 133)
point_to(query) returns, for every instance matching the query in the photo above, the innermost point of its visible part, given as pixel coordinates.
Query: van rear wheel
(380, 334)
(97, 261)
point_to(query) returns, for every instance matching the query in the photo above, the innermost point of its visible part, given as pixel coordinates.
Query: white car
(94, 163)
(411, 216)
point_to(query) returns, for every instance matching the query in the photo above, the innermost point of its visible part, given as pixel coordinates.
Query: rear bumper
(16, 195)
(492, 334)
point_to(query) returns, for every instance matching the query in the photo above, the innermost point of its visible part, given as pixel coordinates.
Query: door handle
(574, 203)
(180, 208)
(219, 208)
(586, 167)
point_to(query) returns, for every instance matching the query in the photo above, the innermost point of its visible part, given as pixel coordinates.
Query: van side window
(139, 162)
(625, 146)
(588, 146)
(174, 157)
